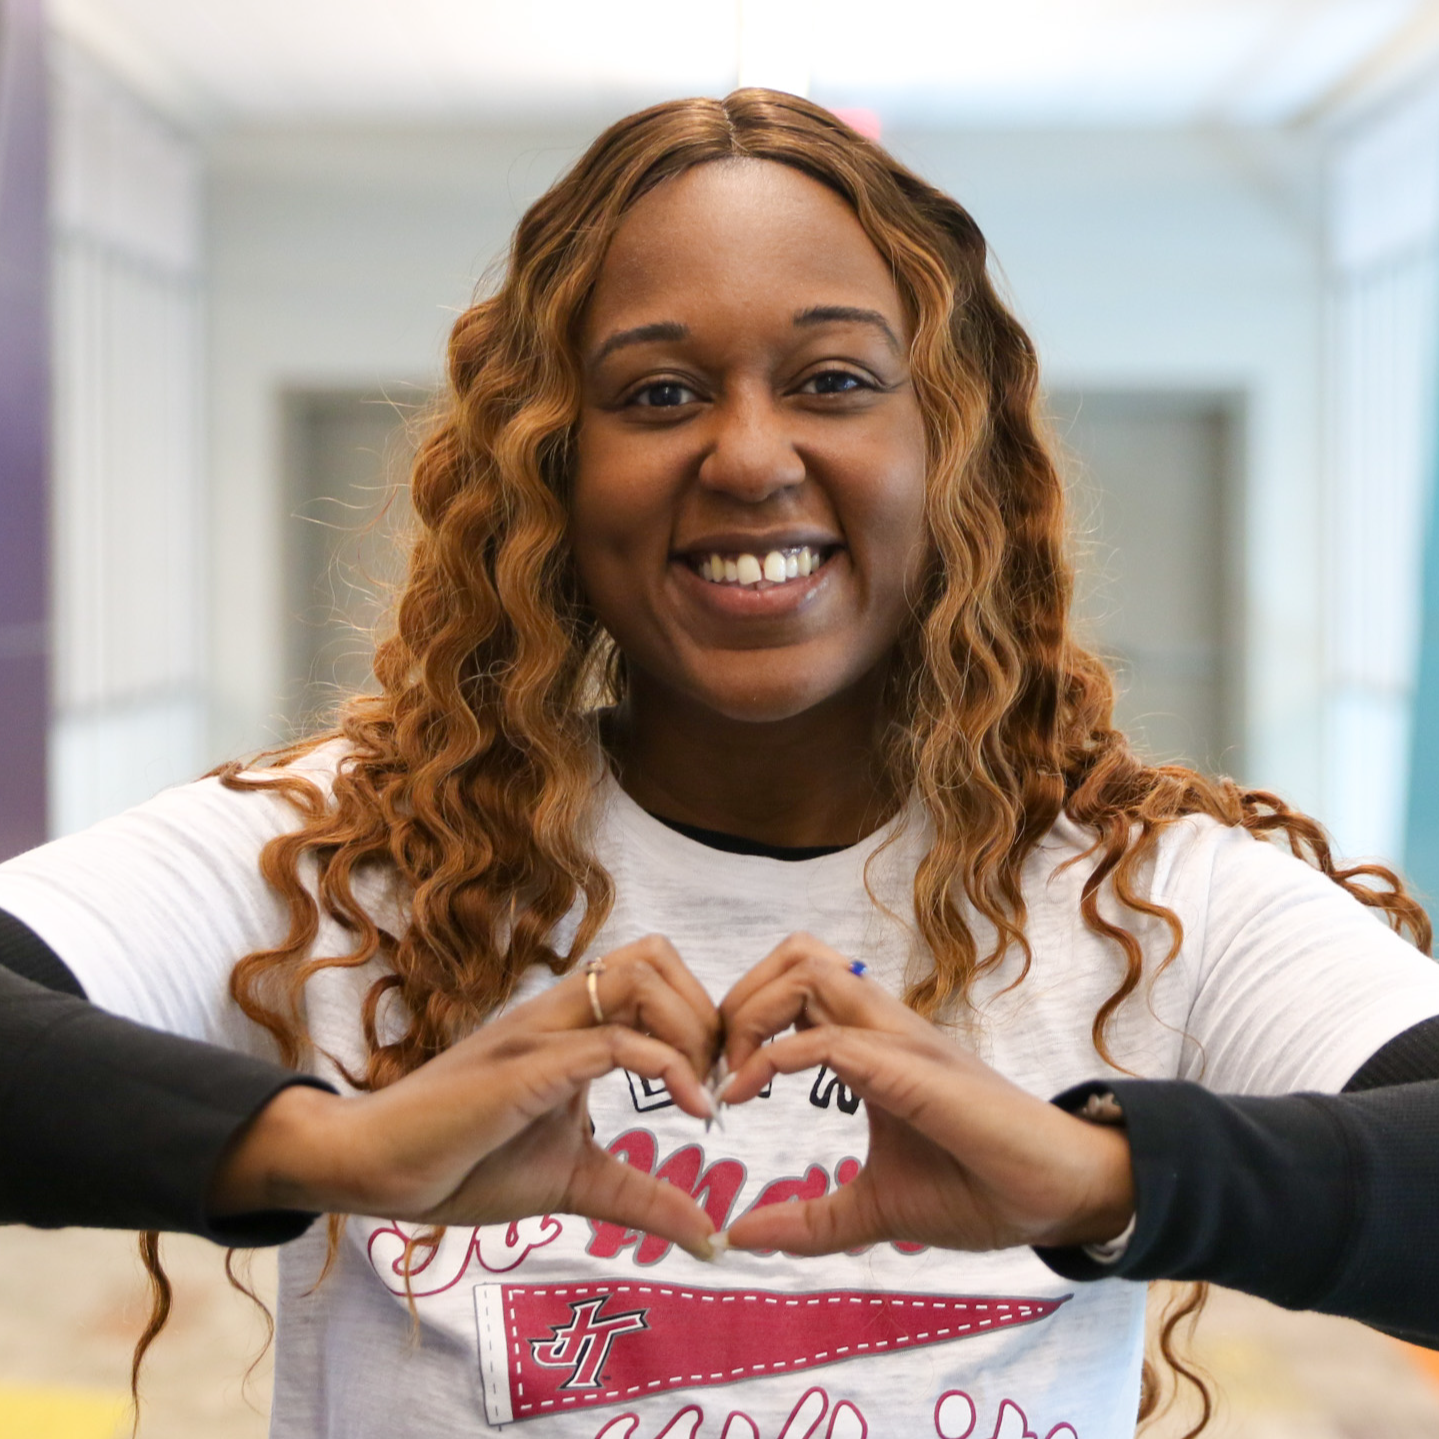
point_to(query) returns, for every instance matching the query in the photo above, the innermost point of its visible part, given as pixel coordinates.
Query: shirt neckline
(661, 838)
(739, 844)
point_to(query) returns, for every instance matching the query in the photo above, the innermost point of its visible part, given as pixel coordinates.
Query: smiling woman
(747, 513)
(734, 671)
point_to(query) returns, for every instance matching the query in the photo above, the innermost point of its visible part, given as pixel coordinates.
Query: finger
(842, 1220)
(653, 1059)
(629, 989)
(788, 951)
(927, 1081)
(852, 1055)
(464, 1104)
(414, 1143)
(606, 1188)
(545, 1071)
(808, 983)
(658, 952)
(640, 994)
(922, 1078)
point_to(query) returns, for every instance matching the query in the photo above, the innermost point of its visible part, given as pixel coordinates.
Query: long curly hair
(470, 776)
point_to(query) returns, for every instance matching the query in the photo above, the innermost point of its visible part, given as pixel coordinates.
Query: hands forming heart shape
(498, 1127)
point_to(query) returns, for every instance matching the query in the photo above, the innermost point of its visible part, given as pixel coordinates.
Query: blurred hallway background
(1219, 219)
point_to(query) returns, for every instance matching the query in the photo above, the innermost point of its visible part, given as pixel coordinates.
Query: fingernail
(719, 1072)
(718, 1244)
(722, 1088)
(713, 1114)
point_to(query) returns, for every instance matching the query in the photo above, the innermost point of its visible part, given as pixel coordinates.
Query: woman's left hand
(958, 1156)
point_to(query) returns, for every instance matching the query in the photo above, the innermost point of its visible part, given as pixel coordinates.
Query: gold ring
(593, 969)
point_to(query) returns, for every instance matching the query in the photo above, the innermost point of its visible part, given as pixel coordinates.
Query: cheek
(617, 527)
(893, 521)
(619, 501)
(912, 502)
(598, 506)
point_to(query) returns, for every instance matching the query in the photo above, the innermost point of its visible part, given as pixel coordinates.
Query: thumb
(604, 1187)
(839, 1221)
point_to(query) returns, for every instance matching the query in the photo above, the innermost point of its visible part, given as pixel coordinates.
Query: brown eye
(663, 395)
(834, 382)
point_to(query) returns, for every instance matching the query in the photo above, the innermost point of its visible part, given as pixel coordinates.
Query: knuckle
(795, 945)
(812, 967)
(643, 978)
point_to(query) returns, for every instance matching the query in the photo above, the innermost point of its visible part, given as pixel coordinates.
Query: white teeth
(776, 567)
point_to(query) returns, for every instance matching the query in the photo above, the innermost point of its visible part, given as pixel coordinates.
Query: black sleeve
(1323, 1202)
(23, 952)
(1406, 1059)
(112, 1125)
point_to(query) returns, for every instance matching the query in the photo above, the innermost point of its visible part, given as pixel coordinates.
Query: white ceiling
(982, 62)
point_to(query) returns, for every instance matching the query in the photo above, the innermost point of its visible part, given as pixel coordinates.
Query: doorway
(347, 460)
(1153, 483)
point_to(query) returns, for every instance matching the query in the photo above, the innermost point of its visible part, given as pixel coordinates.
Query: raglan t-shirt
(567, 1327)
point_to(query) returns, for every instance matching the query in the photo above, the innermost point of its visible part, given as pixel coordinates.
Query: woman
(735, 656)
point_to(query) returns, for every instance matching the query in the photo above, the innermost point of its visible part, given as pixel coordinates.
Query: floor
(1281, 1375)
(71, 1304)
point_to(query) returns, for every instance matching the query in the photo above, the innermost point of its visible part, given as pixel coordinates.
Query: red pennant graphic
(544, 1348)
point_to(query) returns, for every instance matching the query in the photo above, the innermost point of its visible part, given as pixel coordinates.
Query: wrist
(1102, 1186)
(289, 1156)
(1109, 1212)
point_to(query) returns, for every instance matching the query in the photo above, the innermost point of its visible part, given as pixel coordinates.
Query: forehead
(741, 237)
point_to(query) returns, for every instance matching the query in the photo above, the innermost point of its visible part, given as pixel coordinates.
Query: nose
(751, 455)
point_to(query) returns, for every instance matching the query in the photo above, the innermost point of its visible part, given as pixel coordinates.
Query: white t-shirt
(568, 1328)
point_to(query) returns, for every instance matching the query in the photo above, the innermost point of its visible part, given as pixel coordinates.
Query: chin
(771, 704)
(763, 711)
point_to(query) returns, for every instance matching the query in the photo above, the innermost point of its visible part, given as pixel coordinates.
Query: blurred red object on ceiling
(857, 118)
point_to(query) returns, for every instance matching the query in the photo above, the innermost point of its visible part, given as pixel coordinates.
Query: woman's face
(748, 507)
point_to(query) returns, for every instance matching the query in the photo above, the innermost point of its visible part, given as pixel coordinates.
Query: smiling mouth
(777, 567)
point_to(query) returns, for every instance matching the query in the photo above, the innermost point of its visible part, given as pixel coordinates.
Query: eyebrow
(672, 330)
(848, 314)
(641, 335)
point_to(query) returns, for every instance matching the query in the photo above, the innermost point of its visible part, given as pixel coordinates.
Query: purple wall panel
(24, 426)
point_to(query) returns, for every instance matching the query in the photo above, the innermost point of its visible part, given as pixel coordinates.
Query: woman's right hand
(498, 1127)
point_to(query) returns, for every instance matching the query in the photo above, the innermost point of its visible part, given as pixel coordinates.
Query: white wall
(1186, 260)
(335, 260)
(1139, 260)
(128, 482)
(1383, 239)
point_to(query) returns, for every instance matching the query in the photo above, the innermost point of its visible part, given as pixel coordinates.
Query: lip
(736, 542)
(753, 602)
